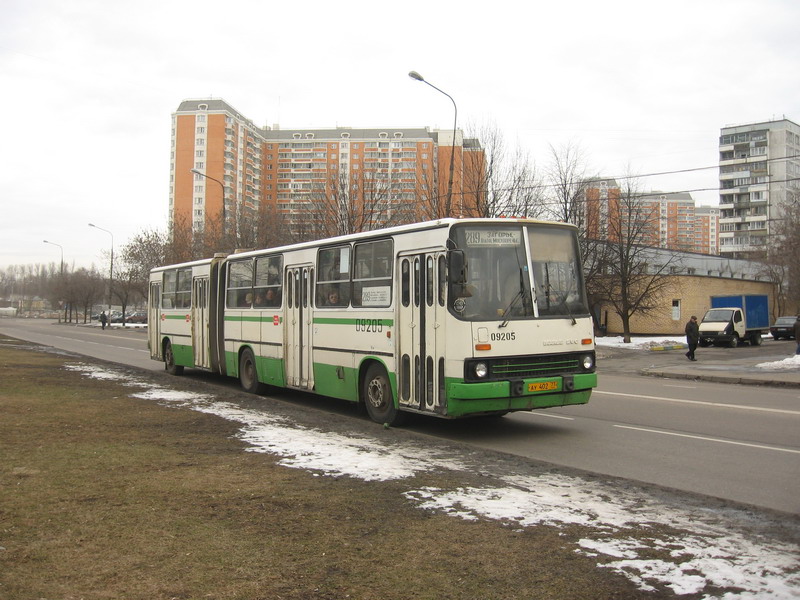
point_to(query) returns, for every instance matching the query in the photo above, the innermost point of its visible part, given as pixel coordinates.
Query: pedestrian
(103, 319)
(692, 337)
(797, 334)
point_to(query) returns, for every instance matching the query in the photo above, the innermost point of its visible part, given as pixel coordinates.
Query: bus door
(421, 317)
(200, 322)
(154, 320)
(298, 321)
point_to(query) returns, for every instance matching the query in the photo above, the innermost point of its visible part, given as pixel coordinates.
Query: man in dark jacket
(692, 337)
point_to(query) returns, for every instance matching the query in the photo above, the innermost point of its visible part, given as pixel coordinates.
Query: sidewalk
(736, 370)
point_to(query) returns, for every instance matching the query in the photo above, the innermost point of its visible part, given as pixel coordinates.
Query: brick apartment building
(222, 164)
(668, 219)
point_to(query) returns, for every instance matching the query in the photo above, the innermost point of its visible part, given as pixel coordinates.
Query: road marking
(709, 439)
(79, 341)
(543, 414)
(701, 403)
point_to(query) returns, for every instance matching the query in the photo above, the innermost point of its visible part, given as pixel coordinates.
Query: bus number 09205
(369, 325)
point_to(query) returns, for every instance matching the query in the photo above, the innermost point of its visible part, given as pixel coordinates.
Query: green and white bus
(446, 318)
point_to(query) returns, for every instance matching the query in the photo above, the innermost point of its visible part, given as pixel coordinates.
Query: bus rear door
(200, 315)
(299, 330)
(154, 321)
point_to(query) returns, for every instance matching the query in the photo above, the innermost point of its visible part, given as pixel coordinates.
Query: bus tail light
(483, 346)
(586, 341)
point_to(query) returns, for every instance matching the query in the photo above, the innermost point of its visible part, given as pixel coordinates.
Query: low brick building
(694, 279)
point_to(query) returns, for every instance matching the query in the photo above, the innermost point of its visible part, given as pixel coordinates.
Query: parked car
(783, 327)
(139, 316)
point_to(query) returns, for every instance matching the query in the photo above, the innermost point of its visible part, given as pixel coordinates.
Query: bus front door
(154, 321)
(298, 322)
(422, 331)
(200, 322)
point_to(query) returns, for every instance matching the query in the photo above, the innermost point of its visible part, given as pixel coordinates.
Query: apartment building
(759, 169)
(662, 219)
(224, 167)
(706, 229)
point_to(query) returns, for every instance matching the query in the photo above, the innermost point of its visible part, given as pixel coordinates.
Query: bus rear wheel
(376, 394)
(169, 361)
(248, 374)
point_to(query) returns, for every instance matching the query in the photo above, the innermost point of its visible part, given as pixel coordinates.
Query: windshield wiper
(515, 299)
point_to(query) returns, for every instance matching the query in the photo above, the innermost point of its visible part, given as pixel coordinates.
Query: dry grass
(103, 496)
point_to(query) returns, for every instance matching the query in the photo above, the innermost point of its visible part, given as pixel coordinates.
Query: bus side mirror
(457, 268)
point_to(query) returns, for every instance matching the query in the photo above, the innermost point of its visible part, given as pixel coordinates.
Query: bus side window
(405, 282)
(240, 284)
(372, 274)
(333, 277)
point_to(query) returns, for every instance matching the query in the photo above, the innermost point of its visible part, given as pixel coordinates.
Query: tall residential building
(301, 172)
(706, 229)
(663, 219)
(759, 168)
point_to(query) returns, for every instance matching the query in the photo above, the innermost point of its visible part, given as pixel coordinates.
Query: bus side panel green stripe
(334, 321)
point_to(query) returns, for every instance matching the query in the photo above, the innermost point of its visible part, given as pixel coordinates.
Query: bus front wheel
(376, 394)
(248, 374)
(169, 361)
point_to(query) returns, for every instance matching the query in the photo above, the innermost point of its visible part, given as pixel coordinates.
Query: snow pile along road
(688, 550)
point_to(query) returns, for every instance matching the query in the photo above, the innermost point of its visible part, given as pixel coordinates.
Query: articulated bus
(448, 318)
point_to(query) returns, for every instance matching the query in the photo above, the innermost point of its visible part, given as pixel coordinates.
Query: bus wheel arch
(376, 395)
(169, 358)
(248, 371)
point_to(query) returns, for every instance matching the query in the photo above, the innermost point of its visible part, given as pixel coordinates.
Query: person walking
(692, 337)
(103, 319)
(797, 334)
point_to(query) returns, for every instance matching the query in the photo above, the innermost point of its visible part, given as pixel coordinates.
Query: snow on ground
(700, 553)
(649, 343)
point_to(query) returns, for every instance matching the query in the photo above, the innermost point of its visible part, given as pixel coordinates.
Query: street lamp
(222, 185)
(61, 276)
(111, 269)
(62, 254)
(418, 77)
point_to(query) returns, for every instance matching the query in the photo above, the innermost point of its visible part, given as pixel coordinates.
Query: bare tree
(497, 181)
(631, 274)
(783, 252)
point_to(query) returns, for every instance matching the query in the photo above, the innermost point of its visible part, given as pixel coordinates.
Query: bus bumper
(525, 394)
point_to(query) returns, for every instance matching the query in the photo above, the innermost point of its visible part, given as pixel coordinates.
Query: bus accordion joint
(483, 346)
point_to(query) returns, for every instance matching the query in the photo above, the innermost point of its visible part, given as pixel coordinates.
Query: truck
(733, 320)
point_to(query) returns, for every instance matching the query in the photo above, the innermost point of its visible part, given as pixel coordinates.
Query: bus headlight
(481, 370)
(588, 362)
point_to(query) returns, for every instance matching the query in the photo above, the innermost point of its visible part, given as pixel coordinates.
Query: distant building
(759, 165)
(670, 219)
(293, 171)
(706, 229)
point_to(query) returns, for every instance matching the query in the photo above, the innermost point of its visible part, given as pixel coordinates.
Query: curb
(736, 379)
(662, 348)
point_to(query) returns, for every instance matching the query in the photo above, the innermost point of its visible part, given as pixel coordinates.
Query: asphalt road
(734, 442)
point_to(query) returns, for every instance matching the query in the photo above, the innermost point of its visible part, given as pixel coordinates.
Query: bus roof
(388, 231)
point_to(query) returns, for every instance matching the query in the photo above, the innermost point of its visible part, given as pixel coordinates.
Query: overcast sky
(88, 87)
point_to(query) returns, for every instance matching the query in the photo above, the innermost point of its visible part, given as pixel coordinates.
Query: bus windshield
(518, 272)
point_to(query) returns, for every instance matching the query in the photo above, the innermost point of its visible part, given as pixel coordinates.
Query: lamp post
(62, 254)
(111, 269)
(418, 77)
(221, 185)
(61, 275)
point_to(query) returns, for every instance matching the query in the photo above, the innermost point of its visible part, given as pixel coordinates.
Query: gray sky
(88, 87)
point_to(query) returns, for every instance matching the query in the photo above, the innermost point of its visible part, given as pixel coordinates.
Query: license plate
(543, 386)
